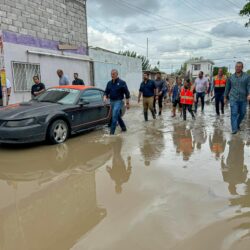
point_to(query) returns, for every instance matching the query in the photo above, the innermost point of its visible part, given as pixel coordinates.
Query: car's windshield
(57, 95)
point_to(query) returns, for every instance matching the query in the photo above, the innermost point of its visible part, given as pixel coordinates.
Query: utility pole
(159, 65)
(147, 47)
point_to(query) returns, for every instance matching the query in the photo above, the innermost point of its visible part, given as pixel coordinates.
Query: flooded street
(167, 184)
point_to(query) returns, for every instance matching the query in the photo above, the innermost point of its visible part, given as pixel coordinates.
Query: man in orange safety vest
(219, 86)
(187, 99)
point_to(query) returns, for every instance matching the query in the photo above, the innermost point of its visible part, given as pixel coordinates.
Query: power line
(118, 34)
(164, 27)
(156, 16)
(233, 3)
(211, 48)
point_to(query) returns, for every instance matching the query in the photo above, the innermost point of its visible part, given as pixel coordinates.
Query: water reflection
(153, 144)
(217, 143)
(120, 171)
(44, 163)
(183, 141)
(234, 170)
(200, 137)
(50, 202)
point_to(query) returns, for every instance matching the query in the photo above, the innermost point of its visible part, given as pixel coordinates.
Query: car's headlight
(20, 123)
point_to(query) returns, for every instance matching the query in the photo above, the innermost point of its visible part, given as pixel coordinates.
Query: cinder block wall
(57, 20)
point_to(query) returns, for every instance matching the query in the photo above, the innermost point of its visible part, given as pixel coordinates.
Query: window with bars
(197, 67)
(23, 74)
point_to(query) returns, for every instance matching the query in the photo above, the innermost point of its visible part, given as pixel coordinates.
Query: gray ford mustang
(54, 115)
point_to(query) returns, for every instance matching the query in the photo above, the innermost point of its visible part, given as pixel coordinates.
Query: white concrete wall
(204, 68)
(130, 69)
(48, 67)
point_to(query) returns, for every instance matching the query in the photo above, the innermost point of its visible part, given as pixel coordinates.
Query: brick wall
(57, 20)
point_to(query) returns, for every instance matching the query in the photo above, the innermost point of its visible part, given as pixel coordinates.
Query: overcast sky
(177, 29)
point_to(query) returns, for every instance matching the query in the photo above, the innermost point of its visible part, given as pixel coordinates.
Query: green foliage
(145, 62)
(216, 69)
(248, 72)
(155, 69)
(182, 71)
(246, 12)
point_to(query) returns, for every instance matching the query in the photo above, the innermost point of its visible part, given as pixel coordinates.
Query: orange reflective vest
(187, 96)
(186, 145)
(217, 148)
(220, 83)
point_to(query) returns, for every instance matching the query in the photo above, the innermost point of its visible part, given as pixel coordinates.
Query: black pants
(219, 99)
(160, 102)
(202, 97)
(186, 107)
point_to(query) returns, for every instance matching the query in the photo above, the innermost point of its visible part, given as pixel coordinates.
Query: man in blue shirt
(115, 91)
(148, 91)
(176, 91)
(160, 88)
(238, 92)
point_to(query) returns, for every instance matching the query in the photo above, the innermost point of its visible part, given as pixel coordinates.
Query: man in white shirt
(63, 79)
(8, 88)
(201, 89)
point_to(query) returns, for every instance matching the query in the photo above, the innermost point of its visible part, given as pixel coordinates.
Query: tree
(182, 71)
(248, 72)
(216, 69)
(155, 69)
(145, 62)
(246, 12)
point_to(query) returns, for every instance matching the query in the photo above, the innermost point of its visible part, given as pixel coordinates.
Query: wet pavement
(167, 184)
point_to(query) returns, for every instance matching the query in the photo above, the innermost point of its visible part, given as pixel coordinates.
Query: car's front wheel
(58, 132)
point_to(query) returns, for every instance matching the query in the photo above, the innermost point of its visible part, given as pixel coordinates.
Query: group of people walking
(185, 95)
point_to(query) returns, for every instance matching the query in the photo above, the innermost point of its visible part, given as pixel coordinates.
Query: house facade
(39, 37)
(130, 69)
(194, 66)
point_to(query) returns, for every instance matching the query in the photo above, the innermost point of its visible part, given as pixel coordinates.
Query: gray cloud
(175, 45)
(118, 25)
(133, 28)
(123, 8)
(200, 44)
(230, 29)
(169, 46)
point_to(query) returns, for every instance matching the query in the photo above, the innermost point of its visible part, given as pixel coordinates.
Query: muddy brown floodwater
(163, 185)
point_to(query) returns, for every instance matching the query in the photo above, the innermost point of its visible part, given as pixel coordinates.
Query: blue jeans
(202, 97)
(238, 112)
(116, 116)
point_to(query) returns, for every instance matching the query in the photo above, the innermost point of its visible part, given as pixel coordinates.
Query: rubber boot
(146, 116)
(184, 114)
(174, 112)
(193, 116)
(153, 114)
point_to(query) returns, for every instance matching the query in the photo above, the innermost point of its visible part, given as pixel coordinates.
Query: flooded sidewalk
(165, 184)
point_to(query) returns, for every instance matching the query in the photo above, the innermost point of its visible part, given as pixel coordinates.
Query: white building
(194, 66)
(39, 37)
(130, 69)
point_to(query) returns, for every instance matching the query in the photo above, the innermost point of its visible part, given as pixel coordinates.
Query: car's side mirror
(83, 102)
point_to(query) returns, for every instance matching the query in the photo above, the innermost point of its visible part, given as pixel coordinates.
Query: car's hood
(27, 110)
